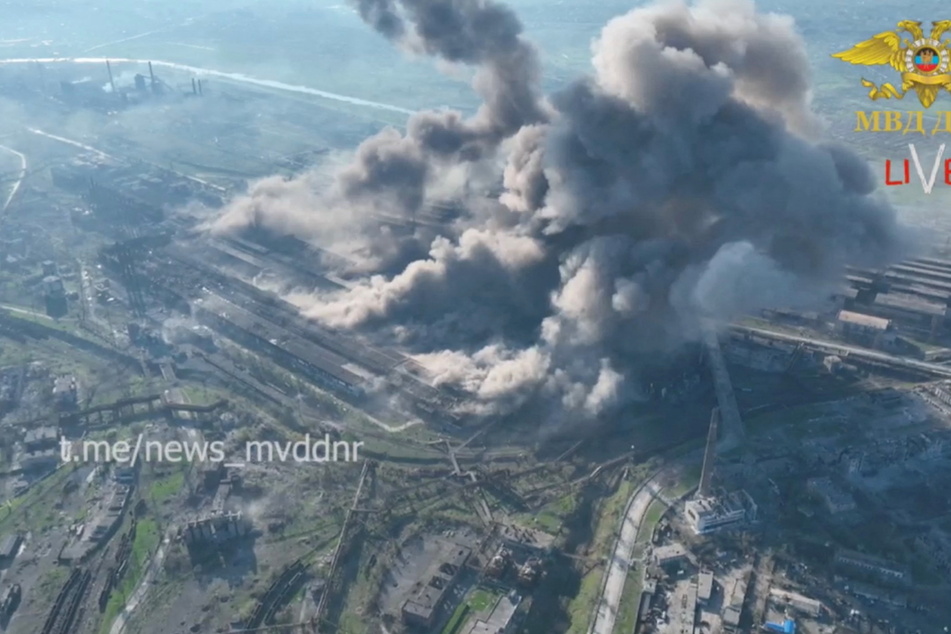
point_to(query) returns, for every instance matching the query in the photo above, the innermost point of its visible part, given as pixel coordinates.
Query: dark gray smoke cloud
(474, 32)
(392, 173)
(678, 183)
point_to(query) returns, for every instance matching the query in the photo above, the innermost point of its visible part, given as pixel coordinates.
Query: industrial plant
(603, 381)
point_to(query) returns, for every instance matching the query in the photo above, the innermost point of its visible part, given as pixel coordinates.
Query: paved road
(20, 176)
(620, 562)
(138, 595)
(835, 347)
(25, 311)
(217, 74)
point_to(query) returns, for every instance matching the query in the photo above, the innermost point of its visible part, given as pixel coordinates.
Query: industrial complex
(783, 471)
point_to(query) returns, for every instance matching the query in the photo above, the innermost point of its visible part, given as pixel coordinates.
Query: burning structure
(625, 214)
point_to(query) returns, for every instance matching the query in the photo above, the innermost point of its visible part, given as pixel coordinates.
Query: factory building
(669, 554)
(879, 595)
(128, 194)
(504, 618)
(688, 619)
(9, 548)
(718, 512)
(421, 609)
(46, 437)
(910, 310)
(711, 511)
(54, 296)
(65, 392)
(216, 529)
(39, 460)
(100, 525)
(804, 605)
(86, 93)
(113, 204)
(875, 566)
(733, 602)
(874, 331)
(786, 627)
(834, 498)
(704, 585)
(290, 351)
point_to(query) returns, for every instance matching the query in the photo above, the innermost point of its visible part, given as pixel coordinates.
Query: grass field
(457, 620)
(607, 522)
(482, 599)
(147, 538)
(167, 487)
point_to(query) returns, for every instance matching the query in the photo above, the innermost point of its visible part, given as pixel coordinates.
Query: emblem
(923, 62)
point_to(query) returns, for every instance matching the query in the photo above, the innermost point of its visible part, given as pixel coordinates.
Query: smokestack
(111, 81)
(709, 455)
(194, 87)
(152, 76)
(199, 87)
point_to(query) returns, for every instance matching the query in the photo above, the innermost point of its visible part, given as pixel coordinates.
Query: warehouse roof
(865, 321)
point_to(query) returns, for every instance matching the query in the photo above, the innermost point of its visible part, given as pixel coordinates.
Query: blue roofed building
(786, 627)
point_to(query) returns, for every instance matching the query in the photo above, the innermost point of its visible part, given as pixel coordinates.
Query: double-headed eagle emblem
(922, 61)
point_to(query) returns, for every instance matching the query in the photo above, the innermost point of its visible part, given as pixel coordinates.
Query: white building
(705, 585)
(663, 555)
(802, 604)
(875, 330)
(709, 514)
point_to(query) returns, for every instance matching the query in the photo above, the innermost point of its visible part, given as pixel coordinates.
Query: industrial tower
(709, 456)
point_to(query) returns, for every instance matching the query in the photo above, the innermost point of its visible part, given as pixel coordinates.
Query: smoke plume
(682, 181)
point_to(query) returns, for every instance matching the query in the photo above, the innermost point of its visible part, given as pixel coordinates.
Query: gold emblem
(923, 62)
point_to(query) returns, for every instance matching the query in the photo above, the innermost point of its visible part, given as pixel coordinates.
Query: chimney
(194, 87)
(709, 455)
(199, 87)
(111, 82)
(152, 76)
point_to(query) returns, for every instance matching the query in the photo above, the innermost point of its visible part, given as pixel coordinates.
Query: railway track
(276, 596)
(68, 603)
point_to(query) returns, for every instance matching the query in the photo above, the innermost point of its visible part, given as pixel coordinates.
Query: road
(620, 562)
(152, 568)
(217, 74)
(72, 142)
(16, 185)
(834, 347)
(25, 311)
(113, 157)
